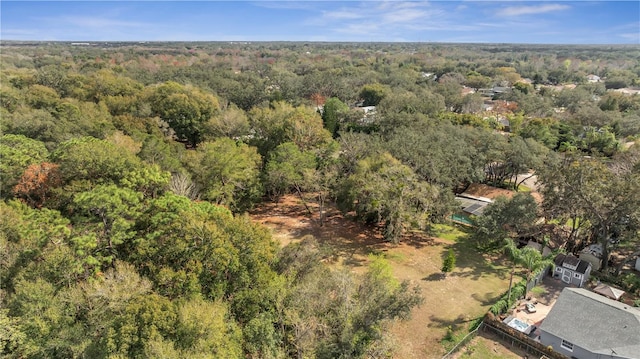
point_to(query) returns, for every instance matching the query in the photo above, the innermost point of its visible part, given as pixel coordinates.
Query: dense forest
(128, 170)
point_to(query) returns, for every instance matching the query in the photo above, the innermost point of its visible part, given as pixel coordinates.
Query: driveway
(530, 180)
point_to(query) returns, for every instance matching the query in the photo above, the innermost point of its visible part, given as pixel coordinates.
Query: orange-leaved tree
(36, 183)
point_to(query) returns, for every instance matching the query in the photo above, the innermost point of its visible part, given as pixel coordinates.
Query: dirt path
(450, 302)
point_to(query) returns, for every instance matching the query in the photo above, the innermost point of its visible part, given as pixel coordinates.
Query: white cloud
(632, 36)
(98, 22)
(18, 32)
(403, 15)
(285, 5)
(359, 29)
(343, 14)
(377, 20)
(529, 10)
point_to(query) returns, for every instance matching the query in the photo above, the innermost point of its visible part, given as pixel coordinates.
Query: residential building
(593, 78)
(571, 270)
(593, 255)
(586, 325)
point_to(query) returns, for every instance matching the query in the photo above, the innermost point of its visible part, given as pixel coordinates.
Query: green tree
(282, 123)
(507, 218)
(601, 142)
(187, 110)
(529, 258)
(591, 192)
(440, 153)
(107, 85)
(288, 169)
(232, 122)
(372, 94)
(227, 173)
(34, 246)
(352, 320)
(543, 130)
(110, 212)
(162, 152)
(418, 102)
(45, 321)
(17, 153)
(149, 180)
(523, 87)
(334, 113)
(191, 248)
(205, 330)
(383, 189)
(94, 160)
(11, 337)
(449, 262)
(477, 81)
(140, 324)
(42, 97)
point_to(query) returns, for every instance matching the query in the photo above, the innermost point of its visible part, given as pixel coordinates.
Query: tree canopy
(126, 171)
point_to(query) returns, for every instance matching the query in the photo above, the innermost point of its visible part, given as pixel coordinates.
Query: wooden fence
(515, 338)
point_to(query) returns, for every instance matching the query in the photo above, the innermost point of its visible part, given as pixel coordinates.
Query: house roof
(473, 205)
(609, 291)
(538, 246)
(595, 323)
(483, 191)
(562, 259)
(594, 249)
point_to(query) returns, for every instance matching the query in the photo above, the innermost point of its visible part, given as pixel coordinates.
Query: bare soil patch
(483, 190)
(450, 302)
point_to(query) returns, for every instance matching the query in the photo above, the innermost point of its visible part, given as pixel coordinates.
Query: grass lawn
(538, 291)
(450, 302)
(485, 348)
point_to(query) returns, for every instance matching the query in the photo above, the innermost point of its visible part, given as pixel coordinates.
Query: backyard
(451, 302)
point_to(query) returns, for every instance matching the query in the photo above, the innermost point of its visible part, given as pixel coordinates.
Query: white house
(571, 270)
(593, 78)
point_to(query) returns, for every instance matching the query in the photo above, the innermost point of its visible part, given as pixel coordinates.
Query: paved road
(530, 180)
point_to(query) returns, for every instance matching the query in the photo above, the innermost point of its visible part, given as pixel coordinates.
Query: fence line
(522, 344)
(464, 341)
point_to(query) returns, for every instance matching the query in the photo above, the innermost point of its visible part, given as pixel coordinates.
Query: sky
(466, 21)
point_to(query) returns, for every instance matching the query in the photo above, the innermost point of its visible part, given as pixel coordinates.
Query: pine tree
(449, 262)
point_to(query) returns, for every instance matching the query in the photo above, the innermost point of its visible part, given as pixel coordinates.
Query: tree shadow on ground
(434, 277)
(418, 239)
(473, 263)
(487, 299)
(445, 323)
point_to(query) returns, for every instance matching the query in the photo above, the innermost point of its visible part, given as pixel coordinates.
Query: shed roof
(609, 291)
(562, 259)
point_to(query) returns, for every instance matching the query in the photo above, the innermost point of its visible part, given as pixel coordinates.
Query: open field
(450, 302)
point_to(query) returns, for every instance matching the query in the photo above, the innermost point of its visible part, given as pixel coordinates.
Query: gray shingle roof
(595, 323)
(581, 265)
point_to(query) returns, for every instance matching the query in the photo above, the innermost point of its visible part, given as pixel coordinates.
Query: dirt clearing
(451, 302)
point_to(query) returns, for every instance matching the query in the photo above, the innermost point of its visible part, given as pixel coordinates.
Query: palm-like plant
(528, 258)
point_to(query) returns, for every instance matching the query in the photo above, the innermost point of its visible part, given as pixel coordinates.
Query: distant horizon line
(314, 41)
